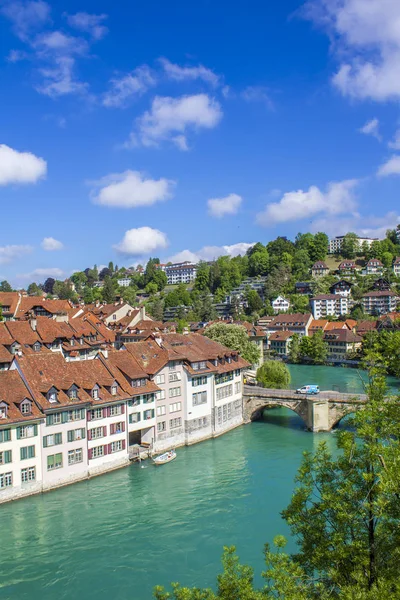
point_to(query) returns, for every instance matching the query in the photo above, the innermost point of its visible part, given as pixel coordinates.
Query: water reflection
(283, 417)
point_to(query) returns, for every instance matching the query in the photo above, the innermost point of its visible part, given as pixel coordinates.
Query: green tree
(234, 337)
(204, 308)
(273, 374)
(5, 286)
(34, 290)
(108, 290)
(350, 245)
(88, 295)
(319, 247)
(129, 295)
(111, 266)
(79, 279)
(156, 309)
(294, 349)
(151, 288)
(160, 279)
(259, 262)
(177, 297)
(314, 347)
(254, 302)
(202, 281)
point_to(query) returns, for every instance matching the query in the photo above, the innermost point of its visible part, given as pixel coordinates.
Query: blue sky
(189, 130)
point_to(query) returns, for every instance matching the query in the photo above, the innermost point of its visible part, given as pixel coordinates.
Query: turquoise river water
(116, 536)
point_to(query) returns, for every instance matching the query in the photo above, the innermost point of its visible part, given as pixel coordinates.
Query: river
(116, 536)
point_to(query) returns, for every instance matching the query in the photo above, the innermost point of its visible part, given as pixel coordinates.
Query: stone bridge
(319, 413)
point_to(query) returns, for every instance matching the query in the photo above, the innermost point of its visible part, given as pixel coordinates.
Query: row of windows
(136, 417)
(66, 416)
(109, 411)
(99, 451)
(27, 474)
(24, 431)
(199, 398)
(224, 392)
(199, 380)
(224, 378)
(173, 424)
(175, 391)
(225, 413)
(145, 398)
(175, 407)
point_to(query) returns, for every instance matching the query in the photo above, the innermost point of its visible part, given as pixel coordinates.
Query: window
(53, 439)
(117, 428)
(175, 391)
(28, 474)
(3, 411)
(199, 423)
(148, 398)
(115, 410)
(5, 457)
(139, 382)
(174, 423)
(237, 373)
(95, 393)
(148, 414)
(134, 417)
(114, 389)
(160, 378)
(237, 387)
(5, 435)
(73, 415)
(223, 378)
(75, 456)
(199, 398)
(97, 451)
(174, 377)
(5, 480)
(26, 431)
(224, 392)
(199, 380)
(54, 419)
(134, 401)
(76, 434)
(173, 364)
(72, 394)
(27, 452)
(161, 410)
(96, 413)
(52, 396)
(198, 366)
(160, 395)
(54, 461)
(116, 446)
(175, 407)
(96, 433)
(162, 426)
(26, 407)
(36, 347)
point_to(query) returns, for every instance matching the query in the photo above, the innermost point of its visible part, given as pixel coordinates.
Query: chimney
(33, 323)
(142, 312)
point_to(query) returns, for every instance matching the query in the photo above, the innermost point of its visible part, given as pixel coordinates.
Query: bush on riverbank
(274, 374)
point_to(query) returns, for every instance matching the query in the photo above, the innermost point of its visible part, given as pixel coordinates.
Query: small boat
(165, 458)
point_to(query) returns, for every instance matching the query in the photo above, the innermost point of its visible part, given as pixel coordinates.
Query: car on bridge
(308, 389)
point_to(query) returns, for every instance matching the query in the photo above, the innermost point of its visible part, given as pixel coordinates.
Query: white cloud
(391, 167)
(89, 23)
(178, 73)
(371, 128)
(257, 93)
(367, 34)
(10, 253)
(369, 226)
(211, 252)
(50, 244)
(171, 118)
(128, 86)
(141, 241)
(294, 206)
(42, 274)
(59, 80)
(219, 207)
(395, 143)
(26, 16)
(16, 56)
(131, 189)
(20, 167)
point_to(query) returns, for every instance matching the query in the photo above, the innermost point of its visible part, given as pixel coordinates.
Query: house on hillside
(340, 342)
(280, 304)
(319, 269)
(373, 267)
(380, 302)
(396, 266)
(342, 287)
(333, 305)
(279, 342)
(347, 267)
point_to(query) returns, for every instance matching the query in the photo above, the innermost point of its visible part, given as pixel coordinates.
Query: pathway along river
(116, 536)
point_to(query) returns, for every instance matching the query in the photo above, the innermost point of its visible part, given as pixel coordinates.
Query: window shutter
(89, 434)
(123, 426)
(69, 436)
(105, 450)
(45, 441)
(35, 429)
(105, 430)
(90, 452)
(82, 413)
(123, 409)
(7, 456)
(49, 419)
(123, 445)
(112, 429)
(108, 411)
(104, 413)
(83, 433)
(18, 433)
(89, 415)
(23, 453)
(64, 417)
(109, 448)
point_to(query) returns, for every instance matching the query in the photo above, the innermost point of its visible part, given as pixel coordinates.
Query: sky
(189, 130)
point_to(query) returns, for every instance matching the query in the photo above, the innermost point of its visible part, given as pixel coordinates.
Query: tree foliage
(273, 374)
(234, 337)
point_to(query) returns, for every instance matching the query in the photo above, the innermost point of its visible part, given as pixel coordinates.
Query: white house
(280, 304)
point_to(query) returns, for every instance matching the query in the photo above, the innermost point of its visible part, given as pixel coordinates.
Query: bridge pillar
(318, 415)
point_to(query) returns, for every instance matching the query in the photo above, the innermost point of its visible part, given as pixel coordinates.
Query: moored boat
(165, 458)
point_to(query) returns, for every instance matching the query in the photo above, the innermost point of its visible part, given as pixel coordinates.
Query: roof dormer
(95, 392)
(3, 410)
(52, 395)
(73, 392)
(26, 406)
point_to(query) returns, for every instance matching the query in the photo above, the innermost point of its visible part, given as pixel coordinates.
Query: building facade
(379, 302)
(184, 272)
(336, 243)
(324, 305)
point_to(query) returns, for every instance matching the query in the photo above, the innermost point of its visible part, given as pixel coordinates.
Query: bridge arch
(258, 412)
(255, 407)
(335, 418)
